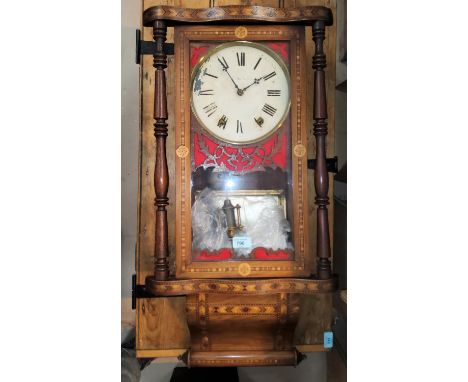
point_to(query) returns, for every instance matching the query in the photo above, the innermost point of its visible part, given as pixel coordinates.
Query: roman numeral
(268, 76)
(239, 127)
(210, 109)
(270, 110)
(222, 122)
(206, 92)
(258, 62)
(274, 93)
(223, 63)
(241, 59)
(205, 73)
(259, 121)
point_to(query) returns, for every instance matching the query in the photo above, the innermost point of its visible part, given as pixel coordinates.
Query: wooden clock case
(240, 314)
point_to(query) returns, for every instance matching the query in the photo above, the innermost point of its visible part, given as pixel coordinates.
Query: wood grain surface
(239, 287)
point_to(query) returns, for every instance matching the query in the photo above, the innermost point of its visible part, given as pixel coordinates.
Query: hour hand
(256, 81)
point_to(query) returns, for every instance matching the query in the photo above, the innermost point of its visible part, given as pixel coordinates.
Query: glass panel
(241, 192)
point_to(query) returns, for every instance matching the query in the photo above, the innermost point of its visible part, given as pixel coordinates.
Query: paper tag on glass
(241, 242)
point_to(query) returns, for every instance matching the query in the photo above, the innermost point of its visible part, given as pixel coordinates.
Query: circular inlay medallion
(182, 151)
(299, 150)
(240, 32)
(244, 269)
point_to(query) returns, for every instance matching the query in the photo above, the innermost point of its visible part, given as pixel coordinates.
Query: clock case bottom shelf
(240, 322)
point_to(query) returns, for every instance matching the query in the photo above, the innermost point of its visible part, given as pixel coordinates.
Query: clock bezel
(259, 46)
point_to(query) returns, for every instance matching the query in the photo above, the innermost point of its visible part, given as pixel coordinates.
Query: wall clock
(242, 255)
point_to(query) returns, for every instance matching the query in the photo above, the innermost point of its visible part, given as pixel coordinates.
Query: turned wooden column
(161, 174)
(320, 131)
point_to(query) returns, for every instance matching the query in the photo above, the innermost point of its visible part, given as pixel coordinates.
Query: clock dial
(240, 92)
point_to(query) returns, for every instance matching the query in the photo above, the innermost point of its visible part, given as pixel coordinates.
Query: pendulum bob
(233, 225)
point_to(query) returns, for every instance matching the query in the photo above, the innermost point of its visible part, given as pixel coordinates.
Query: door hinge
(149, 47)
(133, 292)
(139, 291)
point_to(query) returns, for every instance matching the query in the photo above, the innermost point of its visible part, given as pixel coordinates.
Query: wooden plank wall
(160, 323)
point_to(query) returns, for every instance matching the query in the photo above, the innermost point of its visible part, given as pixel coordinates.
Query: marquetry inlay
(244, 269)
(299, 150)
(241, 32)
(238, 287)
(182, 151)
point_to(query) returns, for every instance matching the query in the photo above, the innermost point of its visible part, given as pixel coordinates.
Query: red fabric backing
(259, 253)
(240, 164)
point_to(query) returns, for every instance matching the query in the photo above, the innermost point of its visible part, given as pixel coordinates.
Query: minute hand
(225, 67)
(234, 82)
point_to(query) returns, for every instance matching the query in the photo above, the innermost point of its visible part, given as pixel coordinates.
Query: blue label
(327, 340)
(241, 242)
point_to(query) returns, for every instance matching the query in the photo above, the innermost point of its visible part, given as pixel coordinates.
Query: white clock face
(240, 92)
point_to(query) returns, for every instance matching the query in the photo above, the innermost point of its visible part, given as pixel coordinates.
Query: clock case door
(301, 262)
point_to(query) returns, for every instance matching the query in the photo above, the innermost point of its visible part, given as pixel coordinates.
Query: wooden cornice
(249, 14)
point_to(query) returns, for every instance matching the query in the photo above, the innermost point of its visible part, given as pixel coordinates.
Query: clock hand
(225, 68)
(256, 81)
(234, 82)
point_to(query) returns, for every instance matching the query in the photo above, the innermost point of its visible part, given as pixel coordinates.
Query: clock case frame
(301, 265)
(238, 322)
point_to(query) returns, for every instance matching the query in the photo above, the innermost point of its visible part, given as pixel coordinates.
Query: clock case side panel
(185, 268)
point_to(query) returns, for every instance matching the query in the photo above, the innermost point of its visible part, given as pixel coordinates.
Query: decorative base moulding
(170, 353)
(242, 358)
(239, 287)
